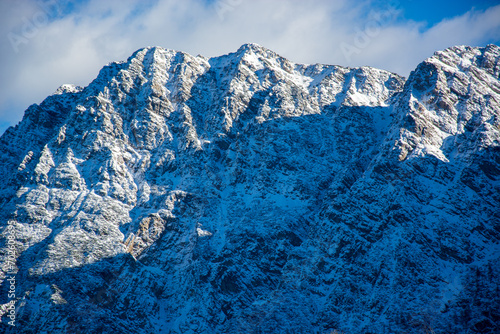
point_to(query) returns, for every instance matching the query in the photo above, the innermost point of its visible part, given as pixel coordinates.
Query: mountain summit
(249, 194)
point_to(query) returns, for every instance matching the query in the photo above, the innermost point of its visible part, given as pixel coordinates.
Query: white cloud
(72, 49)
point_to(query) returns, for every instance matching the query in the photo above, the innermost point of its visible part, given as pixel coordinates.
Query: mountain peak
(68, 88)
(251, 47)
(462, 57)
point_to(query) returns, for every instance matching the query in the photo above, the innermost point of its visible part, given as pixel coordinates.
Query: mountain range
(247, 193)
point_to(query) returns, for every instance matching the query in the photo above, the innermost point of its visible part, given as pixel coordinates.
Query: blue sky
(47, 43)
(434, 11)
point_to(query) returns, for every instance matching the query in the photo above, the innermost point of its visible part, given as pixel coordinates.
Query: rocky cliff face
(249, 194)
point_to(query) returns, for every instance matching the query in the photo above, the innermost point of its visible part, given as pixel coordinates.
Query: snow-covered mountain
(250, 194)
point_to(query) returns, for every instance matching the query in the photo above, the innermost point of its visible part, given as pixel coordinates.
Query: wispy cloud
(43, 47)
